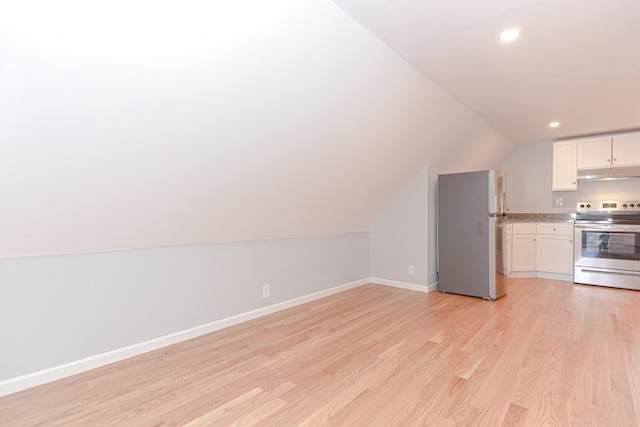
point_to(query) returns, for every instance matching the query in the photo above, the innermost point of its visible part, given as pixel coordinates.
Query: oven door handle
(608, 271)
(618, 227)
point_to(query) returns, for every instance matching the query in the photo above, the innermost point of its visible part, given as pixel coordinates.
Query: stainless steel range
(607, 244)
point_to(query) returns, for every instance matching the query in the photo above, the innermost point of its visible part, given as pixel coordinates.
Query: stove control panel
(609, 206)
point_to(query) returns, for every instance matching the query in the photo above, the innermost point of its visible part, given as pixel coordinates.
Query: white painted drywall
(406, 233)
(59, 309)
(432, 222)
(193, 125)
(140, 124)
(529, 174)
(528, 169)
(398, 238)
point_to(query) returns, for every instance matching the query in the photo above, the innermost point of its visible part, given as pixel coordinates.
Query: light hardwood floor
(549, 353)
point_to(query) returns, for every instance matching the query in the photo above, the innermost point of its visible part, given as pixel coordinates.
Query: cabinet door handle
(615, 160)
(608, 160)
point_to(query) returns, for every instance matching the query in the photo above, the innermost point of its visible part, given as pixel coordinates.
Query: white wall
(198, 123)
(209, 122)
(406, 233)
(59, 309)
(528, 169)
(399, 236)
(432, 223)
(529, 174)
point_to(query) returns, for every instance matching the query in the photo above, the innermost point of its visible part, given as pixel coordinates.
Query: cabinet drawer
(524, 228)
(555, 229)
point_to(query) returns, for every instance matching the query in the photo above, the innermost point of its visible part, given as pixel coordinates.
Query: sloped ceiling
(135, 123)
(576, 61)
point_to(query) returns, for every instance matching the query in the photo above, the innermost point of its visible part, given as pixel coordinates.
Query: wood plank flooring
(549, 353)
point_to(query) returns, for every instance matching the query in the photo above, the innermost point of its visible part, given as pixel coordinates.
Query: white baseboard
(540, 275)
(23, 382)
(433, 286)
(404, 285)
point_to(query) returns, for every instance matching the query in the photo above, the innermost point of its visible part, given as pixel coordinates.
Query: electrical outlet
(266, 291)
(412, 269)
(558, 202)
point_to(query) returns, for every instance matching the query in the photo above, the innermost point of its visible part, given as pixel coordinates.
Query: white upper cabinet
(594, 157)
(609, 151)
(594, 153)
(626, 150)
(564, 166)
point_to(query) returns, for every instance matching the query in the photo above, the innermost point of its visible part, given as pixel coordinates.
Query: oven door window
(611, 244)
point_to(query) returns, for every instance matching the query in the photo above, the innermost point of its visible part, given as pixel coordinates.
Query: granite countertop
(541, 217)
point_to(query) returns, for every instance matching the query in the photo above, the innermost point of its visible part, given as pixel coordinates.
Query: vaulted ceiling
(137, 123)
(576, 61)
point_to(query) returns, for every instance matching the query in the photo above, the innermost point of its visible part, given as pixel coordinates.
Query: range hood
(609, 173)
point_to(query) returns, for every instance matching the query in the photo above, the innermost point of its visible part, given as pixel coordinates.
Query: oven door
(607, 255)
(609, 246)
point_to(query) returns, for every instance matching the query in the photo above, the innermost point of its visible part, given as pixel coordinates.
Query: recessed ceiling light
(509, 35)
(554, 124)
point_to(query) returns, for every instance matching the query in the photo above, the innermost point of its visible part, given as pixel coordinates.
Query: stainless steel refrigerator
(471, 223)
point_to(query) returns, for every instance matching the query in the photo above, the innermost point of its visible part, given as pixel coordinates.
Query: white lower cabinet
(542, 250)
(508, 247)
(554, 248)
(524, 252)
